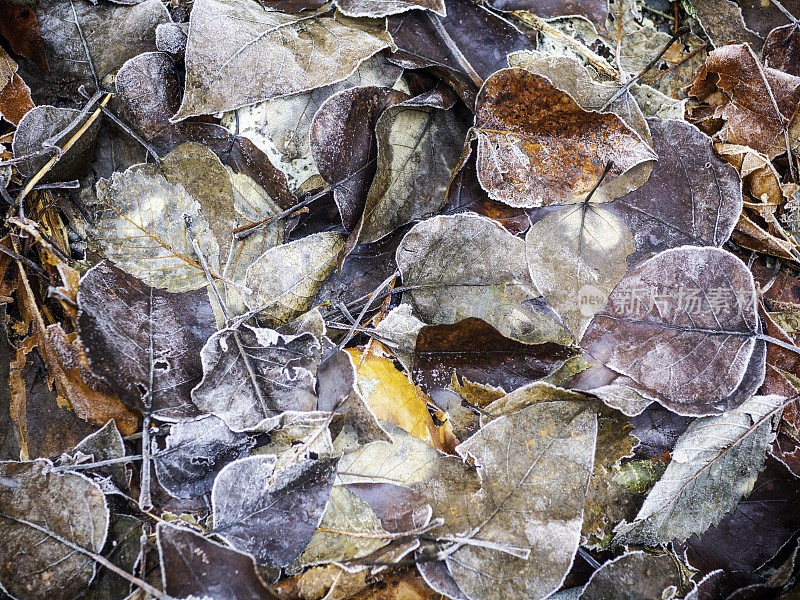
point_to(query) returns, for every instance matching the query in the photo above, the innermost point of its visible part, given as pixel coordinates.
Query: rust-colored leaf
(536, 146)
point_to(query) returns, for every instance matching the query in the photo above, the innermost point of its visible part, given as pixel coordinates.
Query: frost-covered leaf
(534, 466)
(104, 444)
(194, 565)
(112, 34)
(195, 452)
(271, 515)
(468, 266)
(141, 224)
(679, 316)
(42, 131)
(281, 127)
(285, 278)
(633, 576)
(119, 317)
(419, 143)
(537, 146)
(290, 54)
(252, 373)
(714, 465)
(692, 196)
(36, 505)
(383, 8)
(576, 256)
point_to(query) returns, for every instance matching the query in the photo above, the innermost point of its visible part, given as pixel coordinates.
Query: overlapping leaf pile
(399, 299)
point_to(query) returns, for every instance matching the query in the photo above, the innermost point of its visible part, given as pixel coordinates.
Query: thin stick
(155, 592)
(245, 230)
(145, 500)
(72, 141)
(364, 310)
(85, 46)
(234, 330)
(454, 49)
(542, 26)
(627, 85)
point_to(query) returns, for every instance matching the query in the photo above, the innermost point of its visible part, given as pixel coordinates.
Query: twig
(364, 310)
(234, 330)
(542, 26)
(245, 230)
(627, 85)
(145, 500)
(786, 13)
(454, 49)
(85, 46)
(155, 592)
(70, 143)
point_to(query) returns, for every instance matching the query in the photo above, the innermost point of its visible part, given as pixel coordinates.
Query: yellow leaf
(394, 398)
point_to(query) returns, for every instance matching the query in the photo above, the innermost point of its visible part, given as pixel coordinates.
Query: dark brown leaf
(19, 26)
(782, 49)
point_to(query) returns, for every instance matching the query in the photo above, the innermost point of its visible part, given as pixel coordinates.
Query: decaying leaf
(633, 576)
(190, 564)
(285, 278)
(271, 515)
(475, 350)
(121, 319)
(37, 507)
(281, 127)
(522, 503)
(714, 465)
(537, 146)
(292, 54)
(383, 8)
(676, 316)
(253, 373)
(146, 225)
(195, 452)
(781, 49)
(468, 266)
(761, 99)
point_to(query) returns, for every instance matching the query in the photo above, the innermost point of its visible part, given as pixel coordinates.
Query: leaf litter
(399, 299)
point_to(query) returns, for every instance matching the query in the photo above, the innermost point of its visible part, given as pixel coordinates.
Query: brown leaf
(782, 49)
(536, 146)
(593, 10)
(750, 116)
(15, 100)
(19, 26)
(475, 350)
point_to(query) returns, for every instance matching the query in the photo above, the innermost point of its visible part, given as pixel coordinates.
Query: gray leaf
(196, 451)
(271, 515)
(33, 564)
(634, 576)
(468, 266)
(258, 375)
(290, 54)
(714, 465)
(105, 444)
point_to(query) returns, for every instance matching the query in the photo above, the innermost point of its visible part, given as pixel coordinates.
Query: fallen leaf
(39, 507)
(482, 40)
(474, 350)
(392, 397)
(110, 34)
(146, 225)
(15, 96)
(593, 10)
(253, 373)
(286, 278)
(673, 318)
(419, 143)
(281, 44)
(691, 197)
(537, 146)
(271, 515)
(782, 49)
(517, 459)
(281, 127)
(633, 576)
(772, 504)
(122, 549)
(576, 256)
(104, 444)
(19, 26)
(448, 277)
(383, 8)
(708, 475)
(751, 116)
(120, 317)
(195, 452)
(187, 560)
(722, 20)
